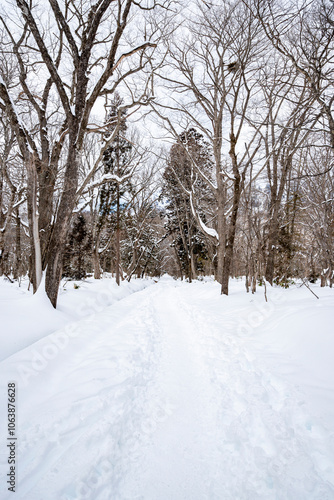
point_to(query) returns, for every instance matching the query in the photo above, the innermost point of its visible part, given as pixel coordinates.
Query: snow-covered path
(179, 459)
(159, 397)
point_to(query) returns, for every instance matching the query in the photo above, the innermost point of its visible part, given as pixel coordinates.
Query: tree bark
(272, 243)
(33, 217)
(18, 253)
(221, 227)
(62, 223)
(118, 236)
(96, 262)
(233, 222)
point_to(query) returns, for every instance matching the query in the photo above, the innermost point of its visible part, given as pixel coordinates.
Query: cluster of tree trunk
(245, 93)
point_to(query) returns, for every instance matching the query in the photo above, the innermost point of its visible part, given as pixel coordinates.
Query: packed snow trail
(158, 398)
(180, 457)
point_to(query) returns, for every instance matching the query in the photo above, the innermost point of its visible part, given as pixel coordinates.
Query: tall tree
(317, 198)
(286, 129)
(211, 74)
(117, 164)
(188, 240)
(303, 34)
(84, 58)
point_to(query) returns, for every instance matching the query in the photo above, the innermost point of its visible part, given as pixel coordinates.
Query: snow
(207, 230)
(109, 178)
(31, 317)
(170, 392)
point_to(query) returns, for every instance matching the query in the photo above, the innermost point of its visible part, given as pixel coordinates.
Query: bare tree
(286, 129)
(86, 57)
(303, 34)
(143, 227)
(12, 185)
(11, 195)
(317, 192)
(212, 77)
(27, 109)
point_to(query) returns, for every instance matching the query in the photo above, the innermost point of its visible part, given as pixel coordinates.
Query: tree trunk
(233, 222)
(118, 238)
(226, 269)
(193, 267)
(270, 267)
(272, 243)
(221, 229)
(62, 223)
(247, 280)
(96, 259)
(178, 260)
(18, 256)
(46, 180)
(189, 270)
(254, 279)
(33, 217)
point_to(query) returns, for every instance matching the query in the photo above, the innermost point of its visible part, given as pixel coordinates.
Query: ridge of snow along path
(177, 393)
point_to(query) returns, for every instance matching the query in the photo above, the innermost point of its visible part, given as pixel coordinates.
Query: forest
(167, 249)
(147, 137)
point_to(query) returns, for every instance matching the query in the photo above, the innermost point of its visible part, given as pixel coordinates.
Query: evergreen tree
(188, 241)
(117, 164)
(77, 249)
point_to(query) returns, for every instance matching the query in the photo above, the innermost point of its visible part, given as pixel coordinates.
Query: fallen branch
(9, 279)
(304, 283)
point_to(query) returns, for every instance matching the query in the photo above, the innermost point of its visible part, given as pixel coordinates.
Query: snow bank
(26, 318)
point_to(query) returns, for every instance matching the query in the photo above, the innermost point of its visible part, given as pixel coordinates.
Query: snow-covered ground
(169, 391)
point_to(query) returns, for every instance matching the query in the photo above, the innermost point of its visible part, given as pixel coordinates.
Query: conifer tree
(188, 241)
(76, 250)
(117, 165)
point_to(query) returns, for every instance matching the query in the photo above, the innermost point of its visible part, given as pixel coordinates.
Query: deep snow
(169, 392)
